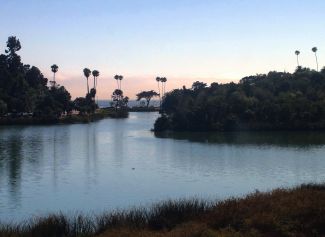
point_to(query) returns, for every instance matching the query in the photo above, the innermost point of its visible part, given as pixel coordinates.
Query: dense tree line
(24, 90)
(273, 101)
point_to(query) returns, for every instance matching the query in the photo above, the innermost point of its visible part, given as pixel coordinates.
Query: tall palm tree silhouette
(87, 73)
(297, 52)
(116, 77)
(314, 49)
(120, 77)
(158, 79)
(54, 69)
(163, 81)
(95, 75)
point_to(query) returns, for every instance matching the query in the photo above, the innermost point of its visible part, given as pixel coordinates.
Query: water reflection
(282, 139)
(118, 163)
(14, 165)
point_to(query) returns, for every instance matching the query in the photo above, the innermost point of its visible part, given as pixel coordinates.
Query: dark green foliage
(23, 89)
(118, 99)
(161, 124)
(3, 108)
(86, 105)
(147, 95)
(273, 101)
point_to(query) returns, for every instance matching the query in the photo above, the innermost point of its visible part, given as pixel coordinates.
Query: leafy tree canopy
(23, 88)
(147, 95)
(273, 101)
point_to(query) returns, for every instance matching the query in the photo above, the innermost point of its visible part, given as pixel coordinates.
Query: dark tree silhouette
(273, 101)
(158, 79)
(198, 85)
(87, 73)
(13, 45)
(23, 88)
(95, 75)
(118, 94)
(147, 95)
(297, 52)
(126, 100)
(314, 49)
(54, 69)
(163, 84)
(116, 77)
(119, 79)
(119, 101)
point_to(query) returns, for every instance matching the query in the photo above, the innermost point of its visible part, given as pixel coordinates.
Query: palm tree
(117, 77)
(87, 73)
(158, 79)
(163, 81)
(314, 49)
(297, 52)
(95, 75)
(54, 69)
(120, 77)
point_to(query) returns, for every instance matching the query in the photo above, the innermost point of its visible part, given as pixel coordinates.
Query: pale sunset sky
(183, 40)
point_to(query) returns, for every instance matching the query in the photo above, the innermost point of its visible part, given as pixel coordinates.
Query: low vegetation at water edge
(299, 211)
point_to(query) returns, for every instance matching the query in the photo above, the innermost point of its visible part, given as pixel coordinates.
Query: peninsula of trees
(273, 101)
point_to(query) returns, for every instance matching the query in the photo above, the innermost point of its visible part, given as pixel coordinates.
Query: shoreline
(101, 113)
(69, 119)
(297, 211)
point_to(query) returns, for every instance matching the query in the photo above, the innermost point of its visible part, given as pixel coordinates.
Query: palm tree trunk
(316, 61)
(54, 79)
(164, 87)
(87, 86)
(159, 95)
(298, 60)
(94, 83)
(118, 87)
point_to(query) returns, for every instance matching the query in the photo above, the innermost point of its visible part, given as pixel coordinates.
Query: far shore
(109, 112)
(65, 119)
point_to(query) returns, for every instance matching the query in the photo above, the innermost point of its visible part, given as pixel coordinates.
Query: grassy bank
(298, 211)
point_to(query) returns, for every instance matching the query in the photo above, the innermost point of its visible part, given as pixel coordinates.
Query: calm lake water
(119, 163)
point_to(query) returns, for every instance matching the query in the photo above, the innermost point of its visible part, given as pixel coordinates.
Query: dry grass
(283, 212)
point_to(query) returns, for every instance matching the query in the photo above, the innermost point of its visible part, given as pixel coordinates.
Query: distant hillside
(273, 101)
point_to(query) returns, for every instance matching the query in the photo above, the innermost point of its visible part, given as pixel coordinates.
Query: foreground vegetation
(273, 101)
(283, 212)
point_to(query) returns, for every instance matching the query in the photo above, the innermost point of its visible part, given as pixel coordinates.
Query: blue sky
(184, 40)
